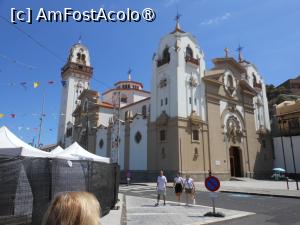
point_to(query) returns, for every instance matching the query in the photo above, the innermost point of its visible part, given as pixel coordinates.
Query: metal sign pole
(213, 204)
(212, 184)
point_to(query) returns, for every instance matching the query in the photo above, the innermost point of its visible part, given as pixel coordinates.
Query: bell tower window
(189, 52)
(165, 57)
(189, 56)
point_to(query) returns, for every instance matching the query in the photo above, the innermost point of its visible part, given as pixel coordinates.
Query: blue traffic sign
(212, 183)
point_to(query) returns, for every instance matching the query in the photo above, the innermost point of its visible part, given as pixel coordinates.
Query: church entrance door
(235, 162)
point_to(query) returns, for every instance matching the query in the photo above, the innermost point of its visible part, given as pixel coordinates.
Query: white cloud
(217, 19)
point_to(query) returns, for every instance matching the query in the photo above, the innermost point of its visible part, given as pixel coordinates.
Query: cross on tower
(239, 50)
(129, 74)
(177, 17)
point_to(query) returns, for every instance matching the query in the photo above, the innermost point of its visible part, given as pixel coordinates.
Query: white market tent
(11, 145)
(76, 151)
(57, 150)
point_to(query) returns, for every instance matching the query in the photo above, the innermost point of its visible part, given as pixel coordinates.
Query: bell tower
(178, 69)
(75, 75)
(178, 107)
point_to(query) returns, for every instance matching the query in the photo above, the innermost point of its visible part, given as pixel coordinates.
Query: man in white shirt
(161, 187)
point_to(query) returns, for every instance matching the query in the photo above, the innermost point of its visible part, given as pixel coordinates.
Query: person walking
(189, 189)
(178, 186)
(128, 177)
(161, 187)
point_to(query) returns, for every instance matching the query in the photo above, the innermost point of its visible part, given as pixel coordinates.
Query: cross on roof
(129, 74)
(79, 39)
(177, 17)
(239, 50)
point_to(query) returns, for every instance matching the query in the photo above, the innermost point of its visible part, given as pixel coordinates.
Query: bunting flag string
(54, 115)
(17, 62)
(13, 115)
(35, 84)
(34, 129)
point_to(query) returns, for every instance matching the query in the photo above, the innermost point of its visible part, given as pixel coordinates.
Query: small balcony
(161, 62)
(257, 85)
(192, 60)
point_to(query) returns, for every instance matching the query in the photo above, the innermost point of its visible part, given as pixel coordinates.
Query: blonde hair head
(73, 208)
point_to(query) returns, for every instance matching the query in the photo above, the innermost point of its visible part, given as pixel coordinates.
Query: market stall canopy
(11, 145)
(57, 150)
(75, 150)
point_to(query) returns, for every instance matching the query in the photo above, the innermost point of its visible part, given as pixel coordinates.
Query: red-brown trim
(123, 89)
(129, 81)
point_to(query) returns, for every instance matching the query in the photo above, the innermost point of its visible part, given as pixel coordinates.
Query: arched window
(78, 56)
(166, 55)
(138, 137)
(144, 111)
(189, 52)
(83, 58)
(230, 81)
(254, 80)
(101, 143)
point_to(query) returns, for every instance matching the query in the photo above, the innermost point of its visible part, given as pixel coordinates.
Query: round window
(138, 137)
(101, 143)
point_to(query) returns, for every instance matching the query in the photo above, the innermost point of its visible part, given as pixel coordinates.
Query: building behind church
(194, 120)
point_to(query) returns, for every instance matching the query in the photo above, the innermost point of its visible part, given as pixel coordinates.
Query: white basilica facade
(194, 120)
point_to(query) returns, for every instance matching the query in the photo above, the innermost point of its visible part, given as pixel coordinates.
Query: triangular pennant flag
(64, 83)
(1, 115)
(23, 84)
(36, 84)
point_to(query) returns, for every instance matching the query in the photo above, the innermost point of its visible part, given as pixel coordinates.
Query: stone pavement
(115, 216)
(252, 186)
(142, 211)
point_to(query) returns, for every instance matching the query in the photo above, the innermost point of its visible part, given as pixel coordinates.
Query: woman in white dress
(189, 189)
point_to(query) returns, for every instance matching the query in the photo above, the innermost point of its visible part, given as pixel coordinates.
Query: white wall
(68, 103)
(135, 108)
(104, 115)
(279, 162)
(138, 151)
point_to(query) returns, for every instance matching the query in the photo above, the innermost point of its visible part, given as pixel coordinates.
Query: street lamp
(119, 132)
(292, 147)
(282, 146)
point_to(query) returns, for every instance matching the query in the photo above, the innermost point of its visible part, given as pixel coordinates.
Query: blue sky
(268, 31)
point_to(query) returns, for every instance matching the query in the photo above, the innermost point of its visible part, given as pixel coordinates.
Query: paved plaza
(142, 211)
(244, 202)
